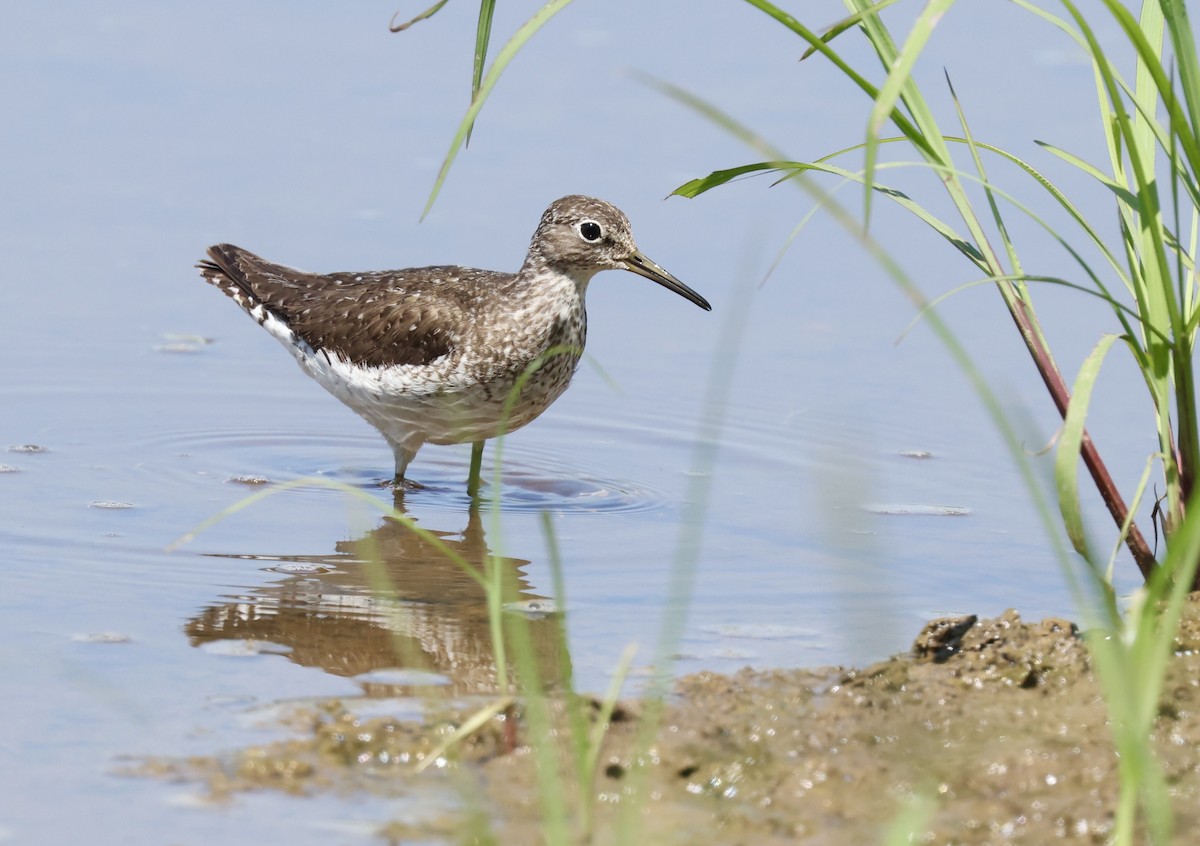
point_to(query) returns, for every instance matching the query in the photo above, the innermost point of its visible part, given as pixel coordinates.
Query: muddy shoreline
(985, 731)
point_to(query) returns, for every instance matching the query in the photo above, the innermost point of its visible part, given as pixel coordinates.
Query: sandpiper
(431, 354)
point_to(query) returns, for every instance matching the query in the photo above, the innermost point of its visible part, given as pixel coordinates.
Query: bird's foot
(400, 484)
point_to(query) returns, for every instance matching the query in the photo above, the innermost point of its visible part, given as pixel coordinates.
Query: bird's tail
(222, 270)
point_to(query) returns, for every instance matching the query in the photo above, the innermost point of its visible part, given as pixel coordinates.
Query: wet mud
(985, 731)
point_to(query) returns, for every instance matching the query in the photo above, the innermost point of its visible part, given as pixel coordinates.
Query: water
(137, 133)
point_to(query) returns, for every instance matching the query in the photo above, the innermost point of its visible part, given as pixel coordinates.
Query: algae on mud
(998, 724)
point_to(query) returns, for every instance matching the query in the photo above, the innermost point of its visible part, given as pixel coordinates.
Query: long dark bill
(642, 266)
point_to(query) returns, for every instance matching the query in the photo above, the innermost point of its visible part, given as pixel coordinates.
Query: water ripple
(534, 478)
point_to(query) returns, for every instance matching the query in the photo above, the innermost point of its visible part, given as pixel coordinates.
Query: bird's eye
(590, 230)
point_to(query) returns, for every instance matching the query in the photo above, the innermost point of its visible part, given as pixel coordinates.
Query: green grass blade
(354, 493)
(997, 218)
(1150, 68)
(685, 561)
(1139, 495)
(539, 721)
(1145, 94)
(1146, 244)
(1148, 225)
(575, 706)
(1070, 444)
(956, 240)
(1065, 202)
(959, 354)
(923, 133)
(715, 115)
(1122, 193)
(1144, 109)
(428, 13)
(483, 34)
(1126, 314)
(604, 717)
(755, 141)
(786, 246)
(469, 726)
(912, 820)
(905, 126)
(1187, 256)
(507, 53)
(1051, 18)
(848, 23)
(698, 186)
(898, 82)
(1170, 586)
(1183, 49)
(1059, 196)
(1128, 204)
(1132, 663)
(695, 187)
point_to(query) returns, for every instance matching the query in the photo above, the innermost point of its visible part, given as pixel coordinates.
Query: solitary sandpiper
(433, 353)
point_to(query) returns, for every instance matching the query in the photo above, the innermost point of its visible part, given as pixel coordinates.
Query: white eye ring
(590, 230)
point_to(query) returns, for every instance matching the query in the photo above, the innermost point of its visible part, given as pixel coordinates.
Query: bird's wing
(379, 318)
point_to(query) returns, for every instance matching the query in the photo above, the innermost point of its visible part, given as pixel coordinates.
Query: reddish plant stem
(1143, 556)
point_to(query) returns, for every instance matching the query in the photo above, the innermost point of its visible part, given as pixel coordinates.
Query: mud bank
(986, 731)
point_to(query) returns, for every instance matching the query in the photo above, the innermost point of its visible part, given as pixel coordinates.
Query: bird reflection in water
(392, 599)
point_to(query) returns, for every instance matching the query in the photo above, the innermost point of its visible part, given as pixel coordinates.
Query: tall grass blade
(1010, 250)
(428, 13)
(757, 142)
(469, 726)
(507, 53)
(1183, 50)
(1153, 81)
(847, 23)
(1121, 192)
(590, 764)
(576, 720)
(685, 561)
(898, 84)
(483, 34)
(815, 41)
(318, 481)
(909, 824)
(714, 114)
(1132, 661)
(698, 186)
(1070, 445)
(1139, 495)
(551, 785)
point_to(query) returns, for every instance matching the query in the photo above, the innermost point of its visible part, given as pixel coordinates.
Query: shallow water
(136, 134)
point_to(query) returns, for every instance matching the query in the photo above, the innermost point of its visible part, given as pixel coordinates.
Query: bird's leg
(476, 465)
(403, 454)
